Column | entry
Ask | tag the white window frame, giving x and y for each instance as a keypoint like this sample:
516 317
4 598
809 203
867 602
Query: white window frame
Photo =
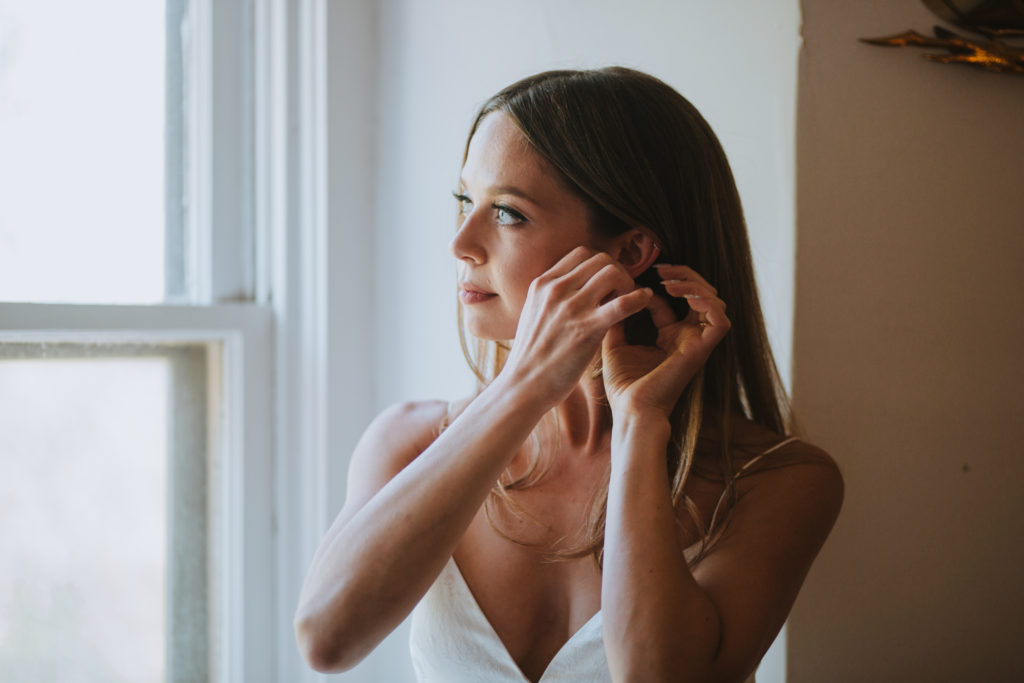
242 516
315 189
258 195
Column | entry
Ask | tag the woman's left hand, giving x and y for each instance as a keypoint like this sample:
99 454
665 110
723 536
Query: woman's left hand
641 379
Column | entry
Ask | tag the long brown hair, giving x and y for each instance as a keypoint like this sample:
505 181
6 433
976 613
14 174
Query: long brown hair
640 155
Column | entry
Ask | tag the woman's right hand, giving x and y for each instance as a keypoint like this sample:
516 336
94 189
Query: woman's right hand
568 310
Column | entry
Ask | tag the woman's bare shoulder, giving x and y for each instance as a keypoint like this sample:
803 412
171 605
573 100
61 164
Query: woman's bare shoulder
803 465
782 516
759 448
405 429
793 469
398 435
392 440
781 466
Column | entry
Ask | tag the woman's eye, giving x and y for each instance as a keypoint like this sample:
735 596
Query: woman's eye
465 205
506 216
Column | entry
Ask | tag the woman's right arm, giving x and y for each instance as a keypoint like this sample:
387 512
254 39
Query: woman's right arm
407 510
404 513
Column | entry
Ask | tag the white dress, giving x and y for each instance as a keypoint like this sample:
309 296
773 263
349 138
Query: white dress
451 641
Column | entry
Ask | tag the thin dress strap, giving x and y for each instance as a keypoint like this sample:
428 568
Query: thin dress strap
771 450
739 472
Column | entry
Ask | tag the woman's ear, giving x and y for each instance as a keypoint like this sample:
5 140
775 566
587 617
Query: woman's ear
636 250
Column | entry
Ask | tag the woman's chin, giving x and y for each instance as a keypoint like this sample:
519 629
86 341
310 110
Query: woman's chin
480 330
488 336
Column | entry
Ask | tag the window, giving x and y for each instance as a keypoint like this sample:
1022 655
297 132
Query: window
219 314
82 173
136 358
105 477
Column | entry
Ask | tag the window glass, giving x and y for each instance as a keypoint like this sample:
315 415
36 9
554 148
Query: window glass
82 162
104 566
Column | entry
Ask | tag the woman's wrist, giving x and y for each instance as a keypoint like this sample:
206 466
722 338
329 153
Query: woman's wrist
637 430
520 395
637 417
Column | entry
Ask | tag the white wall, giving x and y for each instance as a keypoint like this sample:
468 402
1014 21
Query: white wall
438 61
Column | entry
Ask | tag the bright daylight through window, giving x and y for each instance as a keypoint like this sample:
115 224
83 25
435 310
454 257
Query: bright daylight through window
88 466
82 168
111 401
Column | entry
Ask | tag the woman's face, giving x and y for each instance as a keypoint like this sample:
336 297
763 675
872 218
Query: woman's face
517 220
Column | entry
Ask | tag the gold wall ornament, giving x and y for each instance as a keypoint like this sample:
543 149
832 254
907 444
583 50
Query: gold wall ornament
998 21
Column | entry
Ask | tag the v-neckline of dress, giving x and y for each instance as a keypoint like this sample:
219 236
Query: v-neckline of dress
588 627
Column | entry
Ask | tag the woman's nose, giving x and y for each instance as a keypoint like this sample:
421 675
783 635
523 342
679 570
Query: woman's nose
465 245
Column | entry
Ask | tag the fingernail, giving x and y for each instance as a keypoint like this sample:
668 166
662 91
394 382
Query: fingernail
692 296
672 282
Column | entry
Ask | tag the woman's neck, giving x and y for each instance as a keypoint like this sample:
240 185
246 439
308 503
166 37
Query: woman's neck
584 418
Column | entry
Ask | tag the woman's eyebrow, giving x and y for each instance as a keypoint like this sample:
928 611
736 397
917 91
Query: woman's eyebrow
512 190
503 189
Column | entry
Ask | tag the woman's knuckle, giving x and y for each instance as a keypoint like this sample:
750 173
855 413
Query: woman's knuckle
576 330
558 287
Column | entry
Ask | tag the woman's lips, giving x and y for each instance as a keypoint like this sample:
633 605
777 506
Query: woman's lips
471 295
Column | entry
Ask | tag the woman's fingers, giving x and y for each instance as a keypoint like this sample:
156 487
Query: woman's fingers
590 280
682 273
586 269
621 307
662 314
602 278
614 337
596 263
567 263
707 311
688 288
591 287
596 281
711 316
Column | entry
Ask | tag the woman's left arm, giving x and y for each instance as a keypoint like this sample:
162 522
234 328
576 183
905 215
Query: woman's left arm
662 621
658 622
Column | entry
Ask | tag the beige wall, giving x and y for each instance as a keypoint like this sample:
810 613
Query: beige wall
908 353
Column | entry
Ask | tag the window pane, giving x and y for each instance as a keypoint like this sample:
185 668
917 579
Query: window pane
82 96
104 567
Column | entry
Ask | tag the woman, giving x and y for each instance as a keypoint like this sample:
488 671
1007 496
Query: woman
619 501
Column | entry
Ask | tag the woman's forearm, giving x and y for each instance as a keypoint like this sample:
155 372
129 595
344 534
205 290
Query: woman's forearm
375 565
659 625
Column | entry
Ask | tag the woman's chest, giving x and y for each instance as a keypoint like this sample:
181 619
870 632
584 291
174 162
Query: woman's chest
534 603
535 600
